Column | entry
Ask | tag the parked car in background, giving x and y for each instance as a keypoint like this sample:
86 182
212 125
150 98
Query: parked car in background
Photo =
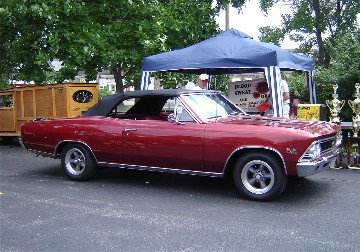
187 132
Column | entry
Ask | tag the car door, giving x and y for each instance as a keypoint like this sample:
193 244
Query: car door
108 142
155 143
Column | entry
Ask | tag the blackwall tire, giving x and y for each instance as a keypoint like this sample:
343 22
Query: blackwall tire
259 176
78 162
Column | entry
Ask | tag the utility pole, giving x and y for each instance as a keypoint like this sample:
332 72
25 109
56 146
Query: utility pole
227 16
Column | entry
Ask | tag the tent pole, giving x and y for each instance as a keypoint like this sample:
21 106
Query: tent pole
311 86
272 74
145 80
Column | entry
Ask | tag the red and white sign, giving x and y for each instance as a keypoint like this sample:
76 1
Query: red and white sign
248 95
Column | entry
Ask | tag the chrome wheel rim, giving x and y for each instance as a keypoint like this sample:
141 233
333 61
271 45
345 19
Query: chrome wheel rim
257 177
75 161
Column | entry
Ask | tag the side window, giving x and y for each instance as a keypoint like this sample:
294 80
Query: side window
125 105
122 107
169 106
185 117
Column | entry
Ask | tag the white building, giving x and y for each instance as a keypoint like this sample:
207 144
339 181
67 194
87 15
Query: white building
107 82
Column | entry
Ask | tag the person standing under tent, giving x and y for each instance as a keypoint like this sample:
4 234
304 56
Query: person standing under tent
286 98
294 101
202 82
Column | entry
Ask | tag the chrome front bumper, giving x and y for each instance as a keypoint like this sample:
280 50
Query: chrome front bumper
305 169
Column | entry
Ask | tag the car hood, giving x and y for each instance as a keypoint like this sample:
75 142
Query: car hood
316 128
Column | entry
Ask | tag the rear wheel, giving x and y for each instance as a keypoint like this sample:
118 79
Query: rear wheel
259 176
78 162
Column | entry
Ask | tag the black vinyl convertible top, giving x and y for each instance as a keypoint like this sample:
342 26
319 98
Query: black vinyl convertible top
108 103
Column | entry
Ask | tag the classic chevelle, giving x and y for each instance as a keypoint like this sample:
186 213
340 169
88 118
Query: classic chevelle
187 132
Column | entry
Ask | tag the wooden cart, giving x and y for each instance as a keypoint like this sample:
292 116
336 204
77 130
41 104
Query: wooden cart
20 105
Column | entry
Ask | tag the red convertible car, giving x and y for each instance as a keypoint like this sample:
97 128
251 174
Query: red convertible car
186 132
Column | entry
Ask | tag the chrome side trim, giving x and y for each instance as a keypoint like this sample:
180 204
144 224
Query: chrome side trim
255 147
55 155
36 152
44 154
160 169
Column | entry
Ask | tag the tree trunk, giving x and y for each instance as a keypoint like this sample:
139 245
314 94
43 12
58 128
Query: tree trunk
118 78
319 39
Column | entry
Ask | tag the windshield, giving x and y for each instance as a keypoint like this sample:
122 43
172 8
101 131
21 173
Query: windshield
211 106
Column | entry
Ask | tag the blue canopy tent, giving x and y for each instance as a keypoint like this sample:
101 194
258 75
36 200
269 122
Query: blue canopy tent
233 52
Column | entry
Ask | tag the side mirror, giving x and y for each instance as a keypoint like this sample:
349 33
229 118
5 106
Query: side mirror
171 118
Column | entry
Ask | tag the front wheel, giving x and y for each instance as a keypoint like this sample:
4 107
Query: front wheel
259 176
78 162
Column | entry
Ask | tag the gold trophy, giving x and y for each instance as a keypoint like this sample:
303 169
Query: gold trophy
355 106
335 105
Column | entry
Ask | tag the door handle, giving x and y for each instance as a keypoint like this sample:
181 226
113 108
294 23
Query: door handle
128 131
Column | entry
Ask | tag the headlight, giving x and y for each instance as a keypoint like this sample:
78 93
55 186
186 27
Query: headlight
314 150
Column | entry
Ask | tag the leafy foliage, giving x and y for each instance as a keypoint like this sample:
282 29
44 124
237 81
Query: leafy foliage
115 35
329 26
95 35
297 83
314 23
344 70
235 3
220 83
102 93
271 35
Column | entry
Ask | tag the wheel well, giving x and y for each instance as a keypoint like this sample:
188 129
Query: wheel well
230 165
60 147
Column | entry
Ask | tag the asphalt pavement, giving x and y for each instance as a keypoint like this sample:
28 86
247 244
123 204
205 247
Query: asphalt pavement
120 210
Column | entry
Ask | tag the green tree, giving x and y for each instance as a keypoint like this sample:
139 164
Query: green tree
271 35
96 35
22 47
331 27
314 23
344 70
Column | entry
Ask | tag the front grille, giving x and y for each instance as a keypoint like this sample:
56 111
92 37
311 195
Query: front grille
327 144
